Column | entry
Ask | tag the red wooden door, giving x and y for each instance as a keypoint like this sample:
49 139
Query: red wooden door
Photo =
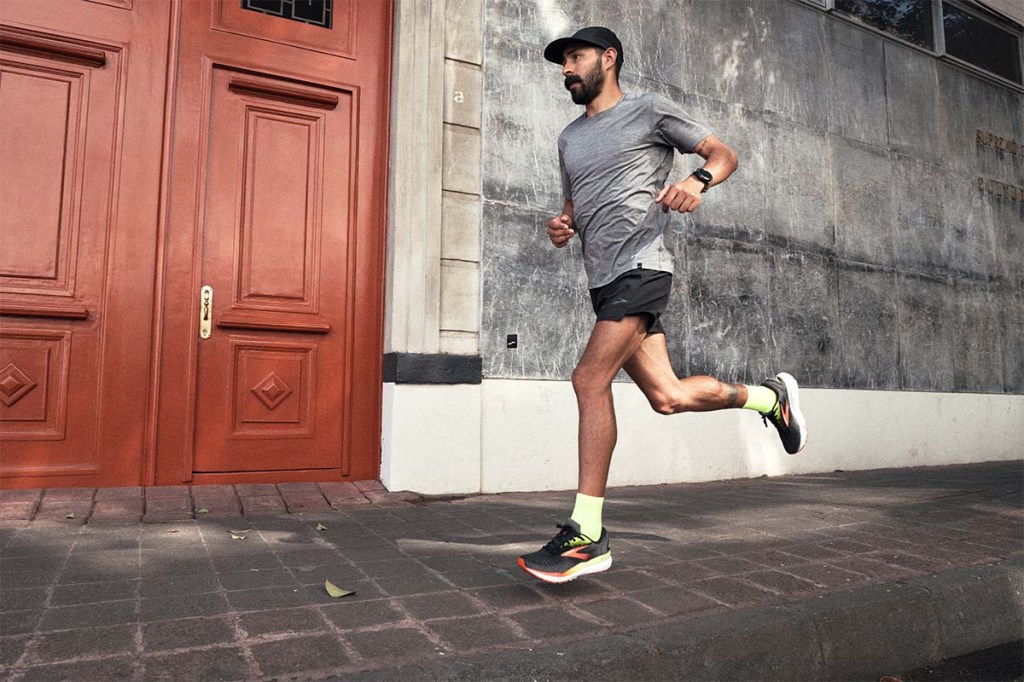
277 211
81 91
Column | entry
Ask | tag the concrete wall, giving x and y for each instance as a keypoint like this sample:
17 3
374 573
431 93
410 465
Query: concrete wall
852 248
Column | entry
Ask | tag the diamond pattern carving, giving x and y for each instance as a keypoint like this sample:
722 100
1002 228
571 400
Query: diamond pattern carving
272 390
14 385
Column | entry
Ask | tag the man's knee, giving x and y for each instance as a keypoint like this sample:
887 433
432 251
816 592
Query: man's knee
586 380
667 403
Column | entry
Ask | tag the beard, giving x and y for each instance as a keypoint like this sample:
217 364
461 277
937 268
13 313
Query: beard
591 84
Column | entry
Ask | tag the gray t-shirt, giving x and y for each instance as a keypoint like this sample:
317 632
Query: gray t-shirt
613 165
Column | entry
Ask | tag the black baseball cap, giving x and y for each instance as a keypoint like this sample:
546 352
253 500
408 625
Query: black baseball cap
599 36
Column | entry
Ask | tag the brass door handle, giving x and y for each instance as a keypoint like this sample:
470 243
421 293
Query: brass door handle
205 312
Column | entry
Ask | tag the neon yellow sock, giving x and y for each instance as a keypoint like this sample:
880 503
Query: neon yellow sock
587 513
762 399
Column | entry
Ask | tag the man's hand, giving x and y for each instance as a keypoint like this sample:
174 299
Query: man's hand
560 230
682 196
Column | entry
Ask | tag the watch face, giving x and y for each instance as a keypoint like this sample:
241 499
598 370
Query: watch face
703 175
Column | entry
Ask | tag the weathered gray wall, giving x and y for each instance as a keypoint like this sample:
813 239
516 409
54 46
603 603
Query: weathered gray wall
852 248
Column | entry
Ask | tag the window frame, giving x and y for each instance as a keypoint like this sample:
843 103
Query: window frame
939 30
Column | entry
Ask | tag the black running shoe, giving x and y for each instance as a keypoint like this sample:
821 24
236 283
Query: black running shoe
569 555
786 415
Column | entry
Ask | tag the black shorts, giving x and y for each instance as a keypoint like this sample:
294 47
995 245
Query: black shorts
637 292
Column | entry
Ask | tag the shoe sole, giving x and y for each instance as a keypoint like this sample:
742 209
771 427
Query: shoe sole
593 566
793 393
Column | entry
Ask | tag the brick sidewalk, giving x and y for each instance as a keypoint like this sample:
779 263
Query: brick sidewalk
436 582
180 503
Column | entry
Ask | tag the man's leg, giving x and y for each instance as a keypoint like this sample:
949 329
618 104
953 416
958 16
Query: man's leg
582 546
777 399
611 344
652 372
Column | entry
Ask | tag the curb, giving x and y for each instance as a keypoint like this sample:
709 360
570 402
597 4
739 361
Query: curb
860 634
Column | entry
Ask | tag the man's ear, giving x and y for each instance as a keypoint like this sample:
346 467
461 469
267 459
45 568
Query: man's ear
609 57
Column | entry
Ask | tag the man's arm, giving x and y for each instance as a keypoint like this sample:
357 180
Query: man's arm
684 196
560 228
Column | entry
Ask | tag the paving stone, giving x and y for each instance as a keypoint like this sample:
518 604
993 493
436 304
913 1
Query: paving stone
385 498
673 601
618 611
732 591
23 495
343 493
88 615
90 593
406 642
104 669
281 621
170 492
55 647
684 572
182 606
443 605
365 486
400 586
298 654
508 596
256 578
475 632
68 494
775 559
297 488
222 664
781 583
256 490
363 614
826 576
872 568
629 580
189 632
298 502
20 599
21 622
166 510
265 505
812 552
268 598
124 510
686 552
11 649
18 510
550 622
123 493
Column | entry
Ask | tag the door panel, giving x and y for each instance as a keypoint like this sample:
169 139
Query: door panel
79 181
274 252
278 206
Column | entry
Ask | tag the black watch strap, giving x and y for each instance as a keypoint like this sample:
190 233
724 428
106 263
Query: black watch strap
704 177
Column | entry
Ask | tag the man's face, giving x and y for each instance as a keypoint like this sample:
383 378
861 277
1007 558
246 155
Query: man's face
584 77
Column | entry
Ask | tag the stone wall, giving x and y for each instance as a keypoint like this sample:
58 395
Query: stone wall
853 247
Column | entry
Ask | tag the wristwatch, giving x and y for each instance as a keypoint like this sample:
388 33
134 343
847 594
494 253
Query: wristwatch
704 177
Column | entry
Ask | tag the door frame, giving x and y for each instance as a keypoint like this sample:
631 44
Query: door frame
175 334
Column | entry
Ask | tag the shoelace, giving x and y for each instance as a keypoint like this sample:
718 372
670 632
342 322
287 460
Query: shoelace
565 533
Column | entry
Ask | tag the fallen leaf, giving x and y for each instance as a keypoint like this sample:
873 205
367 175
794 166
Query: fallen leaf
336 591
237 537
173 530
321 526
69 515
241 532
204 510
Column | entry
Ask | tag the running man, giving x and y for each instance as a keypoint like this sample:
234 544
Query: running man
615 160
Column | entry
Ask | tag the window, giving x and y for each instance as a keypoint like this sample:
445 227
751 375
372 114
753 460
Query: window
910 20
316 12
977 41
962 29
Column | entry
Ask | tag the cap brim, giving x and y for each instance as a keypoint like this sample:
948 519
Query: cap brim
555 51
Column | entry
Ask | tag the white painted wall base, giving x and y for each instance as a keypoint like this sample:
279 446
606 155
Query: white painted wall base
430 440
517 435
529 435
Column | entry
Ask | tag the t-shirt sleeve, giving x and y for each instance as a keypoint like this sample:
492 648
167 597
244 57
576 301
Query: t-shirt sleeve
566 185
674 126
